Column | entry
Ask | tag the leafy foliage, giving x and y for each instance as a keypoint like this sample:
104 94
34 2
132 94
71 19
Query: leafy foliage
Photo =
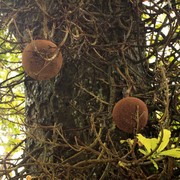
12 93
154 147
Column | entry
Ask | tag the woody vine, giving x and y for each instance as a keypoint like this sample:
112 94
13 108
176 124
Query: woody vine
110 50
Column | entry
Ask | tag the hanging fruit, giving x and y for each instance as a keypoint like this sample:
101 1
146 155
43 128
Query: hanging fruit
41 59
130 114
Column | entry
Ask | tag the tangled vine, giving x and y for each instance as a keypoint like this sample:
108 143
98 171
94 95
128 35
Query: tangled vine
110 49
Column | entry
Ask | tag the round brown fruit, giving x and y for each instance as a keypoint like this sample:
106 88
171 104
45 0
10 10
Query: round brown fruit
37 59
130 114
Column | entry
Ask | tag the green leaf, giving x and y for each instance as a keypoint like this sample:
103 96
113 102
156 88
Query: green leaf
144 142
154 163
122 164
171 152
122 141
154 142
165 139
149 144
143 152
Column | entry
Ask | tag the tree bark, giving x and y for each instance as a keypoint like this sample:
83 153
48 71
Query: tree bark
69 128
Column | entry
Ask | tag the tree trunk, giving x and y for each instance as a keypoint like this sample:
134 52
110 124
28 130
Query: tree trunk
69 128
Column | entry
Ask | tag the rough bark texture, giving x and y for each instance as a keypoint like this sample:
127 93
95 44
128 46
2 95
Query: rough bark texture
68 118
